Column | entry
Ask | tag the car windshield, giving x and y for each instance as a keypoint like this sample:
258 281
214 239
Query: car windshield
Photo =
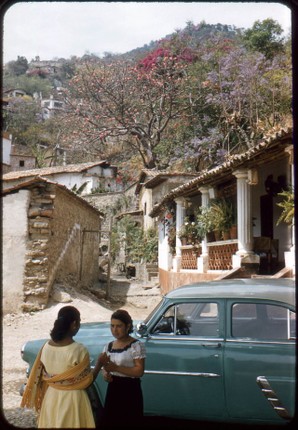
148 318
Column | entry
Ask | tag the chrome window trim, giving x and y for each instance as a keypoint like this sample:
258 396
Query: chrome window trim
178 337
174 373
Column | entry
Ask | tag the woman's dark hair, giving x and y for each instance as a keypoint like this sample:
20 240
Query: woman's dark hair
66 316
123 316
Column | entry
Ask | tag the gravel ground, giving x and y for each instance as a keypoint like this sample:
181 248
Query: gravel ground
137 299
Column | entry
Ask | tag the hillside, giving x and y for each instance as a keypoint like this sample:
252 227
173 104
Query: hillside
197 96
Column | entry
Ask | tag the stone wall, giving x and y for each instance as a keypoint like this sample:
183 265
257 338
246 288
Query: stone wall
111 203
63 243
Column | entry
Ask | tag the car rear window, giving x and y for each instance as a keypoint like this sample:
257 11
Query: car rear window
263 321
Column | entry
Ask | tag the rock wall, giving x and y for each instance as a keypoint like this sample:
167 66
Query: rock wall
62 245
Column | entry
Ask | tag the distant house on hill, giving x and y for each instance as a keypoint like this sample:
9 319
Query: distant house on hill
92 177
15 157
50 107
21 158
15 92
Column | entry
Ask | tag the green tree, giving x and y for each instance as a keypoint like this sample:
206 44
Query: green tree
265 37
32 84
18 67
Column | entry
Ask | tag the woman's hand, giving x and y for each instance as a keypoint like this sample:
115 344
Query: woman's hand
103 359
107 376
110 367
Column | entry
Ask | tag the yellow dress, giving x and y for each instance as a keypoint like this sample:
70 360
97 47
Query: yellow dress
64 409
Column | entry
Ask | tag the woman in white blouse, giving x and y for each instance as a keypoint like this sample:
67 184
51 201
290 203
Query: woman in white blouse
124 397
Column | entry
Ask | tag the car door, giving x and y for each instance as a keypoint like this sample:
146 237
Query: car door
184 363
260 361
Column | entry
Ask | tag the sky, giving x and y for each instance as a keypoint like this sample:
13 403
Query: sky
62 29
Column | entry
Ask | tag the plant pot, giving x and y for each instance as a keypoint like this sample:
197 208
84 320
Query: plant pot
217 235
226 235
210 236
233 232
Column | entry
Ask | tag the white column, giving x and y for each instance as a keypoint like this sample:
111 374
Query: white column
180 215
203 260
290 255
244 220
205 196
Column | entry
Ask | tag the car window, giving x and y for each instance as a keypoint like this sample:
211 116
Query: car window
263 321
190 319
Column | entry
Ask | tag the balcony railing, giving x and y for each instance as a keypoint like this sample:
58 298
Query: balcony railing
189 255
220 254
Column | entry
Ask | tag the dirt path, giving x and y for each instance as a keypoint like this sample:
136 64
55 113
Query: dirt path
18 328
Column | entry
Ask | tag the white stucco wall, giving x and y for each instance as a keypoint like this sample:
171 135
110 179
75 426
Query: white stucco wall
164 255
15 232
67 179
6 150
146 202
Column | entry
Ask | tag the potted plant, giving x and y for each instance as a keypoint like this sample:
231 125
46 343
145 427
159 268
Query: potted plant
287 205
233 229
182 234
172 238
188 232
205 222
222 211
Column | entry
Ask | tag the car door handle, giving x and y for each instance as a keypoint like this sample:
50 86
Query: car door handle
211 345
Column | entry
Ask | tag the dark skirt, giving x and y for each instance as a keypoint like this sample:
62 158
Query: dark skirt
123 402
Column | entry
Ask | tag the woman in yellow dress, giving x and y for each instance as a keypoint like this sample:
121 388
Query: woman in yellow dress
59 376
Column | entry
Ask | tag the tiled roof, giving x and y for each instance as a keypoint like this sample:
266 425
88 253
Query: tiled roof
263 149
37 179
22 150
47 171
162 176
151 178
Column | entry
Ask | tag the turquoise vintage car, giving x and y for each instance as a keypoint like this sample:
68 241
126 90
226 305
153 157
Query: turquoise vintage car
216 351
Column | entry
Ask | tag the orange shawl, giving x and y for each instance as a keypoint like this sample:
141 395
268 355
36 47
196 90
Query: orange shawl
77 378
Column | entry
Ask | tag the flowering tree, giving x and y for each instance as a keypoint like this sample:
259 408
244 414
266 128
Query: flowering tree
127 103
194 100
245 96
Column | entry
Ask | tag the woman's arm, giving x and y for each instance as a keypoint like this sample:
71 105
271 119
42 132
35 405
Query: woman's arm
136 371
101 361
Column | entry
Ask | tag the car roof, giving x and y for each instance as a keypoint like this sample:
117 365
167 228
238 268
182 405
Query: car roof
281 290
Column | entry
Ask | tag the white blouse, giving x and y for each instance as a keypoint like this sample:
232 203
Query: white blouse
125 356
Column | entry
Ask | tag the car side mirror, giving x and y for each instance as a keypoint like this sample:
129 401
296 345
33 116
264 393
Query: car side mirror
142 329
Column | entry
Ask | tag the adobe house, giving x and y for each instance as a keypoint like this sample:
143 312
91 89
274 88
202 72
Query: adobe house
21 158
96 176
50 234
250 180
